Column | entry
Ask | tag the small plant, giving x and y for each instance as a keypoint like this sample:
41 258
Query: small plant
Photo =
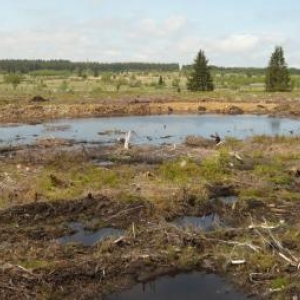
14 79
182 170
279 283
215 168
64 86
160 81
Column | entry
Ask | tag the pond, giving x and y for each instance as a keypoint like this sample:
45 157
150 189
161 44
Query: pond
189 286
149 129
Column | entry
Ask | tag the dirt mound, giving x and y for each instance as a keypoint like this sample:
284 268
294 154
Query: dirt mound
100 206
233 110
221 190
38 99
198 141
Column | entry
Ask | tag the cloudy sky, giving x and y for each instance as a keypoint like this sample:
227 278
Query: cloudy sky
231 32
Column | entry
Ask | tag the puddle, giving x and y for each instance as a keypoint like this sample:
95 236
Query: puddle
191 286
205 223
87 237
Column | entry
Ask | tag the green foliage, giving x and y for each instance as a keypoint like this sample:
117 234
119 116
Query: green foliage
14 79
135 83
279 283
106 77
64 86
274 172
77 180
214 168
176 82
33 264
119 82
160 80
26 66
180 171
96 72
277 74
50 73
200 79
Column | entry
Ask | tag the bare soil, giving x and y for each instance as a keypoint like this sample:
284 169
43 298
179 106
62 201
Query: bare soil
257 249
35 113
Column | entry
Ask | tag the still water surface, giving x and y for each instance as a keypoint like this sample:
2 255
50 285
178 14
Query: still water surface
192 286
149 129
87 237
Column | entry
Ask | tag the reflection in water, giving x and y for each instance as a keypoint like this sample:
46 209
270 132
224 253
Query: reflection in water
191 286
150 129
275 125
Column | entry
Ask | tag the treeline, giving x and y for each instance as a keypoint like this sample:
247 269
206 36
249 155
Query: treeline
240 70
26 66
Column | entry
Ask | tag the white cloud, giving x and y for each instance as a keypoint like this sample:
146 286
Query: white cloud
113 53
123 39
236 43
189 45
149 26
174 24
164 28
237 49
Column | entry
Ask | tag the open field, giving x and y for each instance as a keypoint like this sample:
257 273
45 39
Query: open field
64 87
64 95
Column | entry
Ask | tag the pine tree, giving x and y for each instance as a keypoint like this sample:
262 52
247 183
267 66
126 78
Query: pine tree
160 80
277 73
200 79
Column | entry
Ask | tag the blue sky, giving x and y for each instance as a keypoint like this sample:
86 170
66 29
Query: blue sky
231 32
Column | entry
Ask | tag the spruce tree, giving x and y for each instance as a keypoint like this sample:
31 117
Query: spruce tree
200 78
160 80
277 73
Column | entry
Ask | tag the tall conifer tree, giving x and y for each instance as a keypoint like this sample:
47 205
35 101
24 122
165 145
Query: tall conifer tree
200 78
277 73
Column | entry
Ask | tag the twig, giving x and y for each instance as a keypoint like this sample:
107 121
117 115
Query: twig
133 230
123 212
245 244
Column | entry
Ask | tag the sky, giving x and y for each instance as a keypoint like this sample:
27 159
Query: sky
230 32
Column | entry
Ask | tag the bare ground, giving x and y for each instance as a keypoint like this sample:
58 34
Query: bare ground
257 249
34 113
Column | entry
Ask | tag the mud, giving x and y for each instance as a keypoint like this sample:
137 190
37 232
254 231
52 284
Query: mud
255 229
37 112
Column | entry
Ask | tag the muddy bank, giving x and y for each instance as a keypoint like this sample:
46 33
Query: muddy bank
35 113
44 268
146 251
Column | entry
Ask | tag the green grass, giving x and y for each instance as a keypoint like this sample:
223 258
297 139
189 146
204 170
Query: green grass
274 171
279 283
78 180
62 86
33 264
182 170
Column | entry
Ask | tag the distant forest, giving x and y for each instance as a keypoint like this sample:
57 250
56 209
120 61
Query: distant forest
27 66
244 70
